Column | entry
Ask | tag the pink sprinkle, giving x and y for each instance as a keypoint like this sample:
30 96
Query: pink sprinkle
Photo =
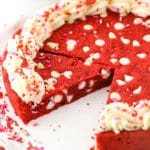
117 118
59 60
48 60
41 57
96 16
140 118
64 34
115 99
115 8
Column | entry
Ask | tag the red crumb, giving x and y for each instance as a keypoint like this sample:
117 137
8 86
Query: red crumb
1 59
1 94
31 147
92 148
2 148
35 124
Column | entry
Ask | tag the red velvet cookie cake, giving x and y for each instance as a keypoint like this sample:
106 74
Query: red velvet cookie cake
74 48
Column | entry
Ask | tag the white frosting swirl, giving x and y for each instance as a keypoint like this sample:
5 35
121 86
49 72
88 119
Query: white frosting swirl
73 10
122 6
24 48
120 116
29 86
141 8
143 114
41 26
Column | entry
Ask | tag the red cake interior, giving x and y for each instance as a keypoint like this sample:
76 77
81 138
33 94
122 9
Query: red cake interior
135 140
81 58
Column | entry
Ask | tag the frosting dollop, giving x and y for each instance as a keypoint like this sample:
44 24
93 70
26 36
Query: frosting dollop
141 8
120 116
22 49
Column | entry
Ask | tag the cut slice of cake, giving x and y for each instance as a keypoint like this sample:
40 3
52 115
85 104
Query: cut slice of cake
65 80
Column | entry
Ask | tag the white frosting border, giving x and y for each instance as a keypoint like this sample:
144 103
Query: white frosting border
121 116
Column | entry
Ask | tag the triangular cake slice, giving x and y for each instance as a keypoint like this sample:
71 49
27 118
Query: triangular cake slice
65 80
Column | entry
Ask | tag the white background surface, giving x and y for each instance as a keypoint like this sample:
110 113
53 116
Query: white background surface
68 128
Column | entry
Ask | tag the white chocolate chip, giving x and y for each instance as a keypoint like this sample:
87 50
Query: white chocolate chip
115 96
40 66
119 26
99 42
147 38
112 35
120 82
69 98
82 85
113 60
95 32
135 43
71 45
55 74
53 45
105 74
138 21
87 27
128 78
124 61
50 105
96 55
70 32
91 83
86 48
138 90
125 40
50 83
68 74
141 55
88 61
57 98
65 91
89 90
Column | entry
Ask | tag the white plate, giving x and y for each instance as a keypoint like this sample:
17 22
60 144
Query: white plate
71 127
